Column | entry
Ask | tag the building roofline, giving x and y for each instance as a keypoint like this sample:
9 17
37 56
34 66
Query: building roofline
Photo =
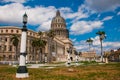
15 27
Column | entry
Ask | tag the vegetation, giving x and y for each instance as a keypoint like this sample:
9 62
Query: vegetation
89 41
102 37
38 44
15 42
50 35
109 71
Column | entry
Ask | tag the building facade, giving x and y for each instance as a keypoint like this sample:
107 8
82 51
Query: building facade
55 49
114 55
88 56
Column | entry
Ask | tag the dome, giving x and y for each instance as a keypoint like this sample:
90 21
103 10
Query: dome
58 25
58 18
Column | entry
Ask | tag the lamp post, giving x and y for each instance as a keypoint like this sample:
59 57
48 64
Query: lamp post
22 71
69 50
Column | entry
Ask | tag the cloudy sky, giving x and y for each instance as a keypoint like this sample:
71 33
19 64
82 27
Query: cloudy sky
83 18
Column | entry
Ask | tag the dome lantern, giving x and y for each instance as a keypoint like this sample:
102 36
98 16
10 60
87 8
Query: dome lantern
58 13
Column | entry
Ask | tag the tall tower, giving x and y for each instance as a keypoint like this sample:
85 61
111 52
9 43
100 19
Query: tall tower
58 25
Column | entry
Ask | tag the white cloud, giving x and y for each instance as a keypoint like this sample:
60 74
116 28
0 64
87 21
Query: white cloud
67 13
118 13
82 27
12 14
73 40
65 9
107 18
107 45
16 1
39 15
44 26
102 5
75 15
112 44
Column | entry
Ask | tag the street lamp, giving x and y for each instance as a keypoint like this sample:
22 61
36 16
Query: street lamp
22 71
69 51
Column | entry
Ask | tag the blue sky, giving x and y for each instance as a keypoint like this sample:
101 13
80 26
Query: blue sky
83 18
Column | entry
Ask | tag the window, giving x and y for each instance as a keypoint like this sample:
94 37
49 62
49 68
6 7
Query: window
10 48
11 31
0 39
6 30
1 31
4 56
10 39
10 56
6 39
30 33
17 31
4 48
0 48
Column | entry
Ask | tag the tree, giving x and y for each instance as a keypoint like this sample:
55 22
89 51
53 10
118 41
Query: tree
101 37
89 41
34 45
51 36
41 43
38 44
15 42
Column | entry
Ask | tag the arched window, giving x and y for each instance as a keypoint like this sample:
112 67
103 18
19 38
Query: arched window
17 31
11 31
6 39
10 48
6 31
1 31
10 56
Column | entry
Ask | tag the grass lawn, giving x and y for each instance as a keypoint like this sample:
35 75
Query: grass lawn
109 71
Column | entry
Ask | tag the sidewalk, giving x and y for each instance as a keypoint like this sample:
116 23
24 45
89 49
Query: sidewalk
51 65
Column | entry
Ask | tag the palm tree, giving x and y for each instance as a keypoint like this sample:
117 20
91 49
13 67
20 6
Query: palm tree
89 41
40 34
51 36
15 42
41 44
34 45
38 44
101 37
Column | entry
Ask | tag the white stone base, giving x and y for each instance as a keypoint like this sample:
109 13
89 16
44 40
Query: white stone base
22 75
